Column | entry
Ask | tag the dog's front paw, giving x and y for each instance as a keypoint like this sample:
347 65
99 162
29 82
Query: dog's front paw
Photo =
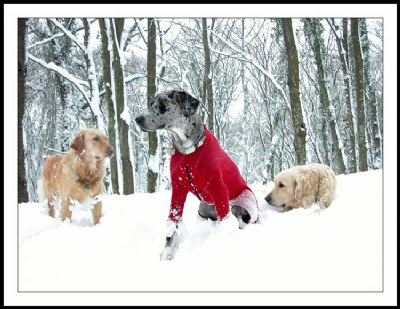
171 244
171 241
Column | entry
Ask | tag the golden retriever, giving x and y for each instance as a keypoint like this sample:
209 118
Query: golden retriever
77 175
303 185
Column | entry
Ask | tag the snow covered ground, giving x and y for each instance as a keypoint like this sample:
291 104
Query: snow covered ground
338 249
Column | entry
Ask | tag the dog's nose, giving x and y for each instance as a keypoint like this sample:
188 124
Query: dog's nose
268 198
139 120
110 152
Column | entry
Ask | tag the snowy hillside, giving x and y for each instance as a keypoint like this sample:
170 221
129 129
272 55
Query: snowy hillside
337 249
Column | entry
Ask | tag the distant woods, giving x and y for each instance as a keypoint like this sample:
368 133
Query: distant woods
275 92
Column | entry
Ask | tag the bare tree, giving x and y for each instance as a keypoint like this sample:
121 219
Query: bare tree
106 36
359 73
207 82
370 100
117 26
313 30
293 82
151 92
60 48
23 196
93 96
349 128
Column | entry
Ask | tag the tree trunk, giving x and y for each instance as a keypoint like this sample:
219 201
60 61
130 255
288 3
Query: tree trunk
317 44
300 130
123 126
346 39
92 76
244 138
350 141
359 73
278 123
105 40
370 100
151 92
61 48
23 196
207 84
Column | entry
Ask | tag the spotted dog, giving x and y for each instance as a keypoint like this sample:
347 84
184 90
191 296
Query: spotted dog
199 164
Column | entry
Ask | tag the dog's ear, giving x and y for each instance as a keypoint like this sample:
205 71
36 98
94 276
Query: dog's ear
178 96
191 106
78 143
188 103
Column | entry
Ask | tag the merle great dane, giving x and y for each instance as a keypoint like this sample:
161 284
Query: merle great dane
199 165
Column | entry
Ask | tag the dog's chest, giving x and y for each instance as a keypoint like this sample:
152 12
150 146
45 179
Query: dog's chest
188 174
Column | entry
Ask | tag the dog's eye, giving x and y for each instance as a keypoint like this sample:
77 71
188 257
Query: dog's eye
281 185
96 138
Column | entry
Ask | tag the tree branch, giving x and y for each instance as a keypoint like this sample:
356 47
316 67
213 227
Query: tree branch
256 64
64 73
46 40
68 33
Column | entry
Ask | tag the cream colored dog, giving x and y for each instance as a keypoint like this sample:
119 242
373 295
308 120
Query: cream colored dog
303 185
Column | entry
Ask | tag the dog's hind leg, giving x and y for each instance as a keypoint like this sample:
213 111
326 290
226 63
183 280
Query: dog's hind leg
241 215
245 208
207 211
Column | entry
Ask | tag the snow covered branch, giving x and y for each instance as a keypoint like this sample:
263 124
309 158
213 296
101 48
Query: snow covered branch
35 87
68 33
255 63
58 35
64 73
133 77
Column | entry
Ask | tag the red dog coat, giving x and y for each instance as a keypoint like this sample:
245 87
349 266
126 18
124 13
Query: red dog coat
211 175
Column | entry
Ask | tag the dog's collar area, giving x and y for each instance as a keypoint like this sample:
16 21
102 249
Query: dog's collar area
198 143
86 181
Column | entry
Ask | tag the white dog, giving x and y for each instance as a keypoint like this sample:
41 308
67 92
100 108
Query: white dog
303 185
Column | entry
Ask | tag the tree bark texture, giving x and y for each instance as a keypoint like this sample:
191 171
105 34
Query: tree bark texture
123 126
359 73
151 92
105 37
350 140
318 45
370 99
207 84
300 130
23 196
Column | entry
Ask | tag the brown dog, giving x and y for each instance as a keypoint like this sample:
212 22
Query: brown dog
78 175
303 185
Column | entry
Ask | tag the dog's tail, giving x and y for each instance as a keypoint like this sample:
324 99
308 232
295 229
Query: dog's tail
40 190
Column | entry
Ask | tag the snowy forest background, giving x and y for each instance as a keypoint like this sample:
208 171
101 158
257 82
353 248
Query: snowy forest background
275 92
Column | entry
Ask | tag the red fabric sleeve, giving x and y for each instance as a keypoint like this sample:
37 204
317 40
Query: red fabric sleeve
220 195
177 203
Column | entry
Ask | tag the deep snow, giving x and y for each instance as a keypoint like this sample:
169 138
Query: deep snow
335 249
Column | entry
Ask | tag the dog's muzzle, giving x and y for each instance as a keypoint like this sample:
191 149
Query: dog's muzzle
140 122
110 152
